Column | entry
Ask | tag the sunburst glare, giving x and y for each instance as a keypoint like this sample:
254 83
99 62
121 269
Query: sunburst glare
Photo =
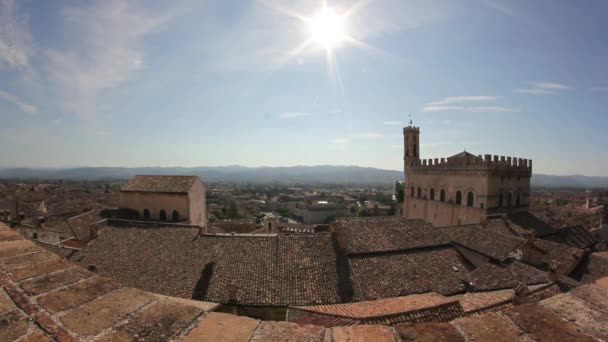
327 28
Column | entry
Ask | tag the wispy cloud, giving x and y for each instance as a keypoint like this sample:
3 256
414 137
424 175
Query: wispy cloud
533 91
15 39
599 88
433 108
393 123
549 85
104 52
541 88
24 107
460 99
492 109
460 103
291 115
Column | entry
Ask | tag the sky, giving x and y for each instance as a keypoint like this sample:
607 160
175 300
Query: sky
226 82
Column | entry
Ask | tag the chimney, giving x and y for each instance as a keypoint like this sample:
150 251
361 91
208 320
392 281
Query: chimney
519 294
233 293
553 274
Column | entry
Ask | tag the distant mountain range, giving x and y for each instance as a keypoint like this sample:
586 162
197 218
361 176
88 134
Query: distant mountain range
285 175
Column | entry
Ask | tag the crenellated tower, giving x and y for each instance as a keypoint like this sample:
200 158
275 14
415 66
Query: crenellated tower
463 188
411 144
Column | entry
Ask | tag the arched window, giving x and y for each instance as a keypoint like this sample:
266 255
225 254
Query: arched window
419 195
442 195
500 199
509 199
412 192
432 195
458 197
162 215
146 213
518 200
175 215
470 199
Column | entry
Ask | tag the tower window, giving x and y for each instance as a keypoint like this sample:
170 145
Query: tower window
470 199
419 195
509 199
146 213
412 192
442 195
518 200
458 197
163 215
432 194
500 199
175 215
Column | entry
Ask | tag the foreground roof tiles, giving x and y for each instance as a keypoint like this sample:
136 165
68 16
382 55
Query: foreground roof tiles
96 308
429 307
297 269
173 184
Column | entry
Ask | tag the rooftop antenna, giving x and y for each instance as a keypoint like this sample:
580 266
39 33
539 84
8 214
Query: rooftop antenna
410 119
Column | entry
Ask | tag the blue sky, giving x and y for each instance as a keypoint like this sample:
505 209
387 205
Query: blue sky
190 83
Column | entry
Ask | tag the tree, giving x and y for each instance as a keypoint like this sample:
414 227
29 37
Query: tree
233 211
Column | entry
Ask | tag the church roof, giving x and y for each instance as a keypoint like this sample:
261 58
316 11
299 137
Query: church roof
171 184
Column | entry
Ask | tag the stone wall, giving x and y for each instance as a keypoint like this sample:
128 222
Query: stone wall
197 204
155 202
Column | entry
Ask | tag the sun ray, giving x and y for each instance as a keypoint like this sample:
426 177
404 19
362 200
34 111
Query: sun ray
367 47
284 10
355 7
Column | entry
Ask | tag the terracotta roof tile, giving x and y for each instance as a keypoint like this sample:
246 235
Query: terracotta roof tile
296 269
491 276
401 273
173 184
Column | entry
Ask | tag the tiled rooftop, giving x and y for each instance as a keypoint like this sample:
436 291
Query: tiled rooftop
297 269
438 270
173 184
381 307
491 276
396 234
530 222
40 302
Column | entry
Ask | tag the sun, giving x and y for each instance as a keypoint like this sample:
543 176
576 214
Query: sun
327 29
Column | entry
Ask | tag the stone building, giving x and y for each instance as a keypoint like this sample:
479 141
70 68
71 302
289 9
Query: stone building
166 198
463 188
320 212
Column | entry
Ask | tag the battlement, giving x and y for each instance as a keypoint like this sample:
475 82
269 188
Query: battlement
411 128
470 163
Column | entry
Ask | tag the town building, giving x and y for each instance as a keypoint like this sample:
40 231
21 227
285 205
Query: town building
166 198
463 188
320 212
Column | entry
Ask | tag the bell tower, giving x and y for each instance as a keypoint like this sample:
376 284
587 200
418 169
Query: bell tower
411 143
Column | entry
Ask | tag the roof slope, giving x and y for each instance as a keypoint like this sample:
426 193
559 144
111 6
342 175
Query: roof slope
171 184
576 236
396 274
383 235
530 222
286 269
490 277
